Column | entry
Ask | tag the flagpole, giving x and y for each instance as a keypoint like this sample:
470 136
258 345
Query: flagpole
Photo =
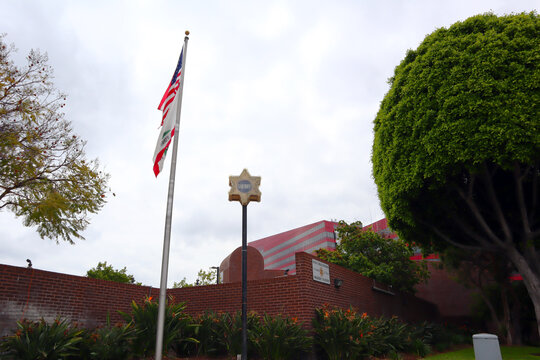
168 216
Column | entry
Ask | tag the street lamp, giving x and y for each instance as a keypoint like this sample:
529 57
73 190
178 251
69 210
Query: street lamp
217 273
244 188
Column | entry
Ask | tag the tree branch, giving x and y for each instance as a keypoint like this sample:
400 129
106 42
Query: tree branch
535 170
476 212
496 205
25 182
7 203
472 234
528 234
521 200
448 239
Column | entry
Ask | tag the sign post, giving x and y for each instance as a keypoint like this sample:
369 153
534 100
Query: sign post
244 188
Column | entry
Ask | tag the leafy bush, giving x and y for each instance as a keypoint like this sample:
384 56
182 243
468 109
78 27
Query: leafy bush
41 340
271 338
388 336
419 347
280 338
340 333
144 319
345 334
444 336
230 329
187 344
221 333
209 334
111 342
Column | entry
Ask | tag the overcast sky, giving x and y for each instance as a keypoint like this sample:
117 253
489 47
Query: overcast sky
286 89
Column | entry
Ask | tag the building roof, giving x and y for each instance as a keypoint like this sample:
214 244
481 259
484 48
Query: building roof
278 250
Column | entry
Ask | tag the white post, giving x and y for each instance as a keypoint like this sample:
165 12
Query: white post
486 347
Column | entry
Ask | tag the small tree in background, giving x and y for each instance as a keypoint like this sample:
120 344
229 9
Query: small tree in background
385 260
203 278
44 175
107 272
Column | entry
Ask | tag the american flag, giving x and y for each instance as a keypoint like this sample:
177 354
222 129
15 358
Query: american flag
172 89
168 105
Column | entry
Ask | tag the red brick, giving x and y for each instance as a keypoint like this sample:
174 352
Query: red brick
88 300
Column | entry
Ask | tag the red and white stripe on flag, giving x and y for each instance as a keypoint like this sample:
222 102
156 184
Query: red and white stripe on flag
168 105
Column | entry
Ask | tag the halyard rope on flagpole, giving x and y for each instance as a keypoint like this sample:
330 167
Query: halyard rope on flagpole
168 216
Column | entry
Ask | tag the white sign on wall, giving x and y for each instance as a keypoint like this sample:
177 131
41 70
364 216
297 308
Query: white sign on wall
321 271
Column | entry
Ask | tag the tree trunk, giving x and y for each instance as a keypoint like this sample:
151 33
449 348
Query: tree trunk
517 335
507 323
531 280
494 317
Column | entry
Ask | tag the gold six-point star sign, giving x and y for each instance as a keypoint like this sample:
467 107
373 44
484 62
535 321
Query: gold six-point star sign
244 188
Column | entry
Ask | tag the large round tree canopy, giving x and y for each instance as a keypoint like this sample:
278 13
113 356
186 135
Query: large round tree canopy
465 102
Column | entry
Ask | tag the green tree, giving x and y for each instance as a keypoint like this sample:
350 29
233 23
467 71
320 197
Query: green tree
107 272
383 259
203 278
456 152
44 176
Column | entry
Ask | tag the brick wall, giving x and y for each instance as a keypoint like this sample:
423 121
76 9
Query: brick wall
32 294
453 299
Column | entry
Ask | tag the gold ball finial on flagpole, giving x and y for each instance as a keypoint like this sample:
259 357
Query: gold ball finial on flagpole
187 32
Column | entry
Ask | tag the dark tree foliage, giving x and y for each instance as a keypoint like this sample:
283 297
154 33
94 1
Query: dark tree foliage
490 274
456 153
44 176
382 259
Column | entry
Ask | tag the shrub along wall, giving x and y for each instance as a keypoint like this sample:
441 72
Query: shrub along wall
32 294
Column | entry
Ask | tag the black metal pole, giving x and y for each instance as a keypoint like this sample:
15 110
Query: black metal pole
244 282
217 273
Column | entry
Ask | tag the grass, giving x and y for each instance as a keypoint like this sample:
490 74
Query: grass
507 352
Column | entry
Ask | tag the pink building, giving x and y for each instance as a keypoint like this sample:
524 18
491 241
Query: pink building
278 250
271 256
